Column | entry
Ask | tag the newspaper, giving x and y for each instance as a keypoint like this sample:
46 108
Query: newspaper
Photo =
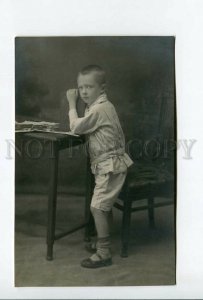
40 126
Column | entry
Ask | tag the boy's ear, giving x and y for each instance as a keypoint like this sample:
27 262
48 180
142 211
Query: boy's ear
103 88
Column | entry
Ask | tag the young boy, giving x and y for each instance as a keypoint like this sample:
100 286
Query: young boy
108 159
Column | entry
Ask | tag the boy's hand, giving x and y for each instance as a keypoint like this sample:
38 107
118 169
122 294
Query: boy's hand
72 96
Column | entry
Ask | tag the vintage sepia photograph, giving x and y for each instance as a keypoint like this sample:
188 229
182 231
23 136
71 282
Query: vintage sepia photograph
95 161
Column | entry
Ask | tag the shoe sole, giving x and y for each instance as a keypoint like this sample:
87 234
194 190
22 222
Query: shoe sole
94 265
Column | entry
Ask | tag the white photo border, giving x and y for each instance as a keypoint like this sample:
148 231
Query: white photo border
180 18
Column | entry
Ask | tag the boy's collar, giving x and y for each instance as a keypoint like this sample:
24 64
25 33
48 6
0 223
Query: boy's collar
102 98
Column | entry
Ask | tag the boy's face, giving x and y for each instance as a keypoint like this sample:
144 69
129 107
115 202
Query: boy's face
89 88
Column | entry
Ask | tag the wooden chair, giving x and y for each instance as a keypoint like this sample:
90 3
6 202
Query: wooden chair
146 180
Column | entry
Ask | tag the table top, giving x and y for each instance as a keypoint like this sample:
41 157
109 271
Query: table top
55 136
62 140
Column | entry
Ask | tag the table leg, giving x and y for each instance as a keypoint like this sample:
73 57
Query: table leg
90 227
52 201
151 211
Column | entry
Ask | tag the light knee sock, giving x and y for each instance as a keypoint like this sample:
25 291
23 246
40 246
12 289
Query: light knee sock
103 249
101 219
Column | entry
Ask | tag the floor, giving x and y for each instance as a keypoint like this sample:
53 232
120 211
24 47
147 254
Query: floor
151 258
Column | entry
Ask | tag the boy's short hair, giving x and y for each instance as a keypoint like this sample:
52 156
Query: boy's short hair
100 73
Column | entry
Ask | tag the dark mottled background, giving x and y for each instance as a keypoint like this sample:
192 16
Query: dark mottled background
140 74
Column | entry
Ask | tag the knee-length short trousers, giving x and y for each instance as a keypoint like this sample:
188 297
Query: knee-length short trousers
107 189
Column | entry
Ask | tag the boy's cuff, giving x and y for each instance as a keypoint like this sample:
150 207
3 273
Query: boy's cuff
72 110
73 114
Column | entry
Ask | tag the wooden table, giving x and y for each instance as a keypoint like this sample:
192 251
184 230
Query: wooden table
58 143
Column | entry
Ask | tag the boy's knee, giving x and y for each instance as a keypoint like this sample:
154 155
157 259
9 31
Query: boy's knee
97 211
94 210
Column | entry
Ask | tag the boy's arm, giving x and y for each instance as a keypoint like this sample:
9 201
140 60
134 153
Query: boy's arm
78 125
83 125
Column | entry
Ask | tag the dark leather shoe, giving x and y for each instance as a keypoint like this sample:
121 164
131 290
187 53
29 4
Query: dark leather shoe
92 264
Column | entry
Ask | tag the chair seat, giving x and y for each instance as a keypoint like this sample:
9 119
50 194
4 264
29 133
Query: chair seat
143 181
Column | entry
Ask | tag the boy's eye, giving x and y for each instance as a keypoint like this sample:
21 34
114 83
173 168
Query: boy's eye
86 87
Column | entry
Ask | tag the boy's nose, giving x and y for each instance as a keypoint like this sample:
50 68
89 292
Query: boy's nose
84 91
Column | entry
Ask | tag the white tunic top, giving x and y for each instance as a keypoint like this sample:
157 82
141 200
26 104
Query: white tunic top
104 136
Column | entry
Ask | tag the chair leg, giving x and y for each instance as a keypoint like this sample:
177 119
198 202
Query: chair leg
151 212
125 232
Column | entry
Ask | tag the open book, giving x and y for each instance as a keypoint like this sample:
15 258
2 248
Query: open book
40 126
